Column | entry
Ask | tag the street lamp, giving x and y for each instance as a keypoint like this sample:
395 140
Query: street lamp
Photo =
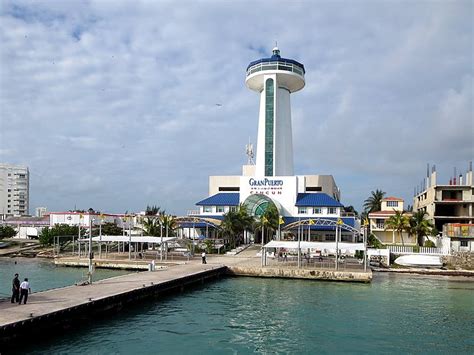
90 250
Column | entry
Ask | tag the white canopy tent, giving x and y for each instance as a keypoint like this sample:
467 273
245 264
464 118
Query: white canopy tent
332 247
133 239
124 239
314 245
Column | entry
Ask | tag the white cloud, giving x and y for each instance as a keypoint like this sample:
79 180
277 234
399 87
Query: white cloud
122 94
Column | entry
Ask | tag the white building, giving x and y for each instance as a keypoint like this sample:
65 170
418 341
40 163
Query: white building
84 219
271 181
378 219
14 190
40 211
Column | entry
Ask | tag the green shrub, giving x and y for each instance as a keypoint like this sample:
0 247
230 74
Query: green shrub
7 232
429 244
374 242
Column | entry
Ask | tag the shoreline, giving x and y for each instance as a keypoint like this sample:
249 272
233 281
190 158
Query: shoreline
431 272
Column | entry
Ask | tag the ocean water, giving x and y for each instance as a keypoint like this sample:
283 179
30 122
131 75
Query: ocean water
394 314
43 274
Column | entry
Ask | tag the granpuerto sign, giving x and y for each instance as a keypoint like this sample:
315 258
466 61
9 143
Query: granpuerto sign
265 182
266 186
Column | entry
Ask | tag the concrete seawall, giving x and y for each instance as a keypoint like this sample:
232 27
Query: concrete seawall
71 306
294 273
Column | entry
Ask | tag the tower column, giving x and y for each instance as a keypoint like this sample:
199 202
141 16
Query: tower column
275 78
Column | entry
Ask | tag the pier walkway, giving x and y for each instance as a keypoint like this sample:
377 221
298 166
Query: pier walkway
54 307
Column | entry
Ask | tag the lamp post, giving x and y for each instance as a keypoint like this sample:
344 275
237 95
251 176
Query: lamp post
90 251
129 239
100 235
161 242
338 233
366 224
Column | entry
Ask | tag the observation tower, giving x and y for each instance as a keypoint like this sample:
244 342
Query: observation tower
275 78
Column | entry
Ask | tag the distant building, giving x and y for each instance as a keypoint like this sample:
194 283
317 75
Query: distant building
84 219
378 221
446 203
14 190
40 211
26 226
461 236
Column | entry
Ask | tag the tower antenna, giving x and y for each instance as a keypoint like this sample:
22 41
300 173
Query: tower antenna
250 153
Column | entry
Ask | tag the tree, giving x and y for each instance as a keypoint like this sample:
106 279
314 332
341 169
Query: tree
7 232
398 222
234 224
151 226
169 224
152 210
108 228
374 201
268 221
420 226
59 230
351 209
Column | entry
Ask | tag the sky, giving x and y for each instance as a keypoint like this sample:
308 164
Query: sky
112 104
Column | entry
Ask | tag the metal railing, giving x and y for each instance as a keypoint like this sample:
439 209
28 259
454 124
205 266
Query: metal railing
275 66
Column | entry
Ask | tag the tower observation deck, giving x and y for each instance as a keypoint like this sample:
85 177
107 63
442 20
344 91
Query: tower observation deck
275 78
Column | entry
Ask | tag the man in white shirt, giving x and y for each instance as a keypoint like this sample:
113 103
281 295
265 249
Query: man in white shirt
203 255
24 290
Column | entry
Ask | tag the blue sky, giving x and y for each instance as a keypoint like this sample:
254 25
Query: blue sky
112 104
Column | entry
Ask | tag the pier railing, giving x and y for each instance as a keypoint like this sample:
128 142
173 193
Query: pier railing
400 249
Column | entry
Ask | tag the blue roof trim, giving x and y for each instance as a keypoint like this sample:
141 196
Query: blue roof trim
316 200
221 199
275 58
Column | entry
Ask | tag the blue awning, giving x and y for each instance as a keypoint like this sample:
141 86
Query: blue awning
221 199
316 200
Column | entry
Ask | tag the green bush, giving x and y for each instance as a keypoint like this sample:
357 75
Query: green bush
7 232
429 244
374 242
63 230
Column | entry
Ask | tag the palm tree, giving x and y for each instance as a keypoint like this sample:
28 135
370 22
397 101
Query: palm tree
420 226
268 222
398 222
152 210
234 224
169 223
374 201
151 226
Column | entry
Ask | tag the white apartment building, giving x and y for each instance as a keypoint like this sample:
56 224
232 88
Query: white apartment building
14 190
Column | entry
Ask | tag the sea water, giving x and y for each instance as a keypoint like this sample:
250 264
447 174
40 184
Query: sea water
43 275
393 314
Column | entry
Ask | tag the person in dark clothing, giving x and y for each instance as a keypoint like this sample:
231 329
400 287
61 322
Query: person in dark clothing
15 289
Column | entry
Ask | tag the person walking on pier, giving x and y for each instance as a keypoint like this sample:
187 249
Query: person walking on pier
15 289
24 290
203 255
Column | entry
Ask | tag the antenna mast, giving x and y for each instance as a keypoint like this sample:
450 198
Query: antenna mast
250 153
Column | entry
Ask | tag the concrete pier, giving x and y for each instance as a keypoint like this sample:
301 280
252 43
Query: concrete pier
295 273
69 306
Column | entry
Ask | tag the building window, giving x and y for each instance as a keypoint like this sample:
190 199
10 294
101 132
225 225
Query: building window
330 237
464 243
301 210
233 208
332 210
219 209
269 113
392 203
207 209
316 210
